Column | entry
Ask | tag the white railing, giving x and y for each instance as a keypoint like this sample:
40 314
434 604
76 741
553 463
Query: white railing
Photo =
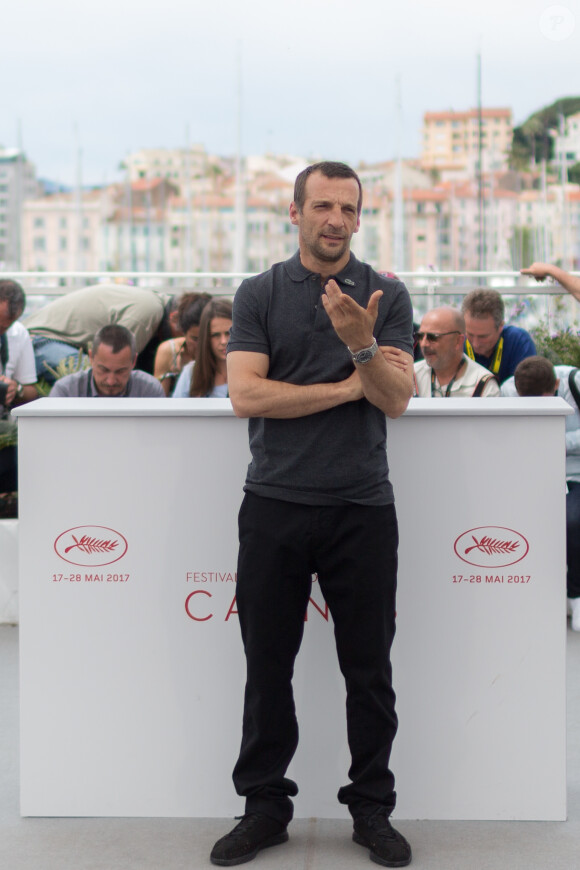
222 283
58 283
528 303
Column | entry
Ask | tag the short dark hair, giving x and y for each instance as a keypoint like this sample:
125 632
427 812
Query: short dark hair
330 169
189 309
12 292
116 337
535 376
484 303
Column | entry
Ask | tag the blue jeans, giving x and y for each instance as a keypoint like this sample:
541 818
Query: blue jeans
52 352
353 549
573 539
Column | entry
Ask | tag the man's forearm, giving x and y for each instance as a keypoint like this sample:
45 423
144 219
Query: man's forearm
539 271
387 386
262 397
571 283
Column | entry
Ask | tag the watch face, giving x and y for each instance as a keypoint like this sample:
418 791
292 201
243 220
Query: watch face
366 354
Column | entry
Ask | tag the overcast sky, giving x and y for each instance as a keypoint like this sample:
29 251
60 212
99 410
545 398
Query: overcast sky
318 76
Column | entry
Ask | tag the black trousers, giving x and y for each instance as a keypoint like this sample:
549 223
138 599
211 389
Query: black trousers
8 469
353 549
573 539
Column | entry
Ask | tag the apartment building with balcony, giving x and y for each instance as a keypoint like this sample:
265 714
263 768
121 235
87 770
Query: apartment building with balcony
202 236
440 228
61 232
191 170
450 140
567 142
133 236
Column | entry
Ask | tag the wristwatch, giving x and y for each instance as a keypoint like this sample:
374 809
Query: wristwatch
19 388
366 354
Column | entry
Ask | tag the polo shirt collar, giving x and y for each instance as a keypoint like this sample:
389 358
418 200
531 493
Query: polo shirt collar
297 272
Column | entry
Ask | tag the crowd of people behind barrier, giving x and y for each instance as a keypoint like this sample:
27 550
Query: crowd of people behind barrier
116 340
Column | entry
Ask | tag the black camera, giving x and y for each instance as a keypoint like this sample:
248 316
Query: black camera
3 392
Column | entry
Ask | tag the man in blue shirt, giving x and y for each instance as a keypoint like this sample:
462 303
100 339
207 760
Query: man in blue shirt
488 341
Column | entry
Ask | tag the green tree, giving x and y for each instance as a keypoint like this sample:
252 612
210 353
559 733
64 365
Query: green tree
574 173
532 140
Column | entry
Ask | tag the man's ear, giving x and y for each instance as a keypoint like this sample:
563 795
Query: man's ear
134 362
91 355
294 213
557 384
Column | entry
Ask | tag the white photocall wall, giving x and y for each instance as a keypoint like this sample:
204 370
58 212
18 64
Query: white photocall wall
132 668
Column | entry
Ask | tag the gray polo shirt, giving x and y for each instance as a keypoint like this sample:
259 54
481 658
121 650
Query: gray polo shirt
81 385
333 456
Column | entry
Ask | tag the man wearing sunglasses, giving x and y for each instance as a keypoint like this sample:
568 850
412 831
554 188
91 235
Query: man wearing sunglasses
446 371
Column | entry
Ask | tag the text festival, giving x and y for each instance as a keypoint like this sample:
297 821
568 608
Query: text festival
198 604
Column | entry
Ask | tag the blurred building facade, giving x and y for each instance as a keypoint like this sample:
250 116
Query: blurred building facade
17 184
182 210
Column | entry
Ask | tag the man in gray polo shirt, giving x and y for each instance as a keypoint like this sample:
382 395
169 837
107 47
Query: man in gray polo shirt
305 366
112 374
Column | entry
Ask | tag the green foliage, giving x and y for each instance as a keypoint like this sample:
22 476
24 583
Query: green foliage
522 150
574 174
532 141
8 433
561 348
68 366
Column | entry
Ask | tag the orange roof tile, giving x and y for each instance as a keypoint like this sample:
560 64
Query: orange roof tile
464 116
434 195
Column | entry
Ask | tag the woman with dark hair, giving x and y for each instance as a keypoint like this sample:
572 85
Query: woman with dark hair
208 377
174 353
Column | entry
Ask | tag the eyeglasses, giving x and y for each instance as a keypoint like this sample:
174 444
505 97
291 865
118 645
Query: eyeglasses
435 336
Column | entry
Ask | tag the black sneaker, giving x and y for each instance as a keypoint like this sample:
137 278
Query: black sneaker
255 831
387 846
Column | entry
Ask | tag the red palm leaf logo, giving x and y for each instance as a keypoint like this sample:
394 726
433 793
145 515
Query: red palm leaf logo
491 547
91 546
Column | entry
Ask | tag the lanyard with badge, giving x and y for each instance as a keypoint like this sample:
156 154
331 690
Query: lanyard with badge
496 361
449 385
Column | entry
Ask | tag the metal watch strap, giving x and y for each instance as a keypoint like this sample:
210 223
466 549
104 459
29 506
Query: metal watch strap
366 354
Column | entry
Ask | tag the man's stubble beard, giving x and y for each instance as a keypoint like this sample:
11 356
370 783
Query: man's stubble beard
329 256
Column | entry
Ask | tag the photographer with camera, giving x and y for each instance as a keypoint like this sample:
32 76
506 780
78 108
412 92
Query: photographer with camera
17 376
